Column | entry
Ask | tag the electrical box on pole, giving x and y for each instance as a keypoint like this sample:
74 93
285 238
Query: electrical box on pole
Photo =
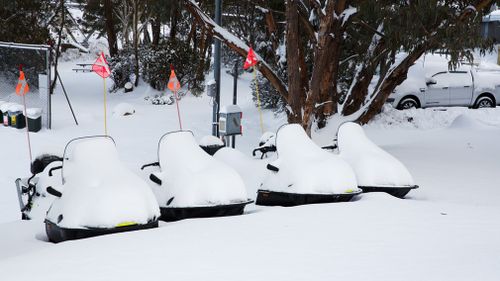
230 120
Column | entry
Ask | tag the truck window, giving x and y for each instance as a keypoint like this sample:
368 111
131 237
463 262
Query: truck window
443 80
460 79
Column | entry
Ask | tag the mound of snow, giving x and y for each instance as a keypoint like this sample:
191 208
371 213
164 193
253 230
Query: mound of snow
251 170
306 168
373 166
463 121
123 109
98 191
190 177
428 118
210 140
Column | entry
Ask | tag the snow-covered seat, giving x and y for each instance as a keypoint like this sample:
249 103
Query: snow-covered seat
192 183
376 170
98 195
304 173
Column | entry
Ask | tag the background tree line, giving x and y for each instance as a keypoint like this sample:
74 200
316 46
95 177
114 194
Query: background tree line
319 57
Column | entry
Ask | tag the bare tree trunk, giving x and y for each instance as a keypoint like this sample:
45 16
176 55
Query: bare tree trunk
174 18
110 28
295 91
156 29
394 77
327 53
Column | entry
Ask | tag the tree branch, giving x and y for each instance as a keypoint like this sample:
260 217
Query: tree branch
236 45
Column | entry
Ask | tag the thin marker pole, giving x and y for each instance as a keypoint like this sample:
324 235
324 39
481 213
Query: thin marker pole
27 129
178 110
105 111
258 99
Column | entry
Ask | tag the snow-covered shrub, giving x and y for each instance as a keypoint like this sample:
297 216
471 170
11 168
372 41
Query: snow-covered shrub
156 61
269 97
122 68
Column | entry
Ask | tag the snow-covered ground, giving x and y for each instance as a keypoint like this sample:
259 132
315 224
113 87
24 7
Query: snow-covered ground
448 229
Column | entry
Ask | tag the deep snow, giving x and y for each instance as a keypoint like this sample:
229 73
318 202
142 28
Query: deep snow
448 229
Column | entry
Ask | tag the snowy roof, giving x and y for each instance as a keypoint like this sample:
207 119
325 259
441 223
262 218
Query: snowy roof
230 109
493 16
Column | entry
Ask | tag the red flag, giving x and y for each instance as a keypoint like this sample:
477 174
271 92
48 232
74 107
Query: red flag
101 66
173 83
22 86
251 59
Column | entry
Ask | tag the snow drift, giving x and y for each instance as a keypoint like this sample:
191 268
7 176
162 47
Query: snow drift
372 165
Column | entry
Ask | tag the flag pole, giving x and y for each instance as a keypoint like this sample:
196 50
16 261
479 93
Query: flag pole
27 129
22 89
258 98
105 111
178 110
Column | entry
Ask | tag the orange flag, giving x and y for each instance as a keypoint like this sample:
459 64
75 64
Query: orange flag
22 86
173 83
251 59
101 66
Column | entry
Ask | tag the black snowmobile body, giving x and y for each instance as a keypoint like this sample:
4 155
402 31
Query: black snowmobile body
285 199
58 234
396 191
169 214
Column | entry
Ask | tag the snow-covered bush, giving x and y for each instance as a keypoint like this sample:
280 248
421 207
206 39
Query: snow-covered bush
156 61
122 68
270 98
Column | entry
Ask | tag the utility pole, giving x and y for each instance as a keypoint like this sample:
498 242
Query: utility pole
235 94
215 113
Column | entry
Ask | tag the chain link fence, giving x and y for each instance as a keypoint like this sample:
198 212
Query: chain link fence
35 61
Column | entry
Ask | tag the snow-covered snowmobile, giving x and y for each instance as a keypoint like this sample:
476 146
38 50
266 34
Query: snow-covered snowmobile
211 144
98 194
33 198
304 173
193 184
376 170
267 144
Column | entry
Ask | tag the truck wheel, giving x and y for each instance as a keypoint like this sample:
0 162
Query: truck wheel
407 103
484 102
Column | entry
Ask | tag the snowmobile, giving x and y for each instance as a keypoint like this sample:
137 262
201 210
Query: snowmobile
193 184
376 170
211 144
267 144
98 195
32 195
305 173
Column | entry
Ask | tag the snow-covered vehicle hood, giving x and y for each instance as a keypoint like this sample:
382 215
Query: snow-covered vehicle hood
98 190
305 168
192 178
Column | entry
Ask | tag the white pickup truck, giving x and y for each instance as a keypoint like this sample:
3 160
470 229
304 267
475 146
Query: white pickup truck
469 87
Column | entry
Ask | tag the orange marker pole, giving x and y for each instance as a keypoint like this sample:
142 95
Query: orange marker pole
105 108
178 110
22 89
27 129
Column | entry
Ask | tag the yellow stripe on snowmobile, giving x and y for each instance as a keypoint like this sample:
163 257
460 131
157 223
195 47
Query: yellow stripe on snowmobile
126 223
349 191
